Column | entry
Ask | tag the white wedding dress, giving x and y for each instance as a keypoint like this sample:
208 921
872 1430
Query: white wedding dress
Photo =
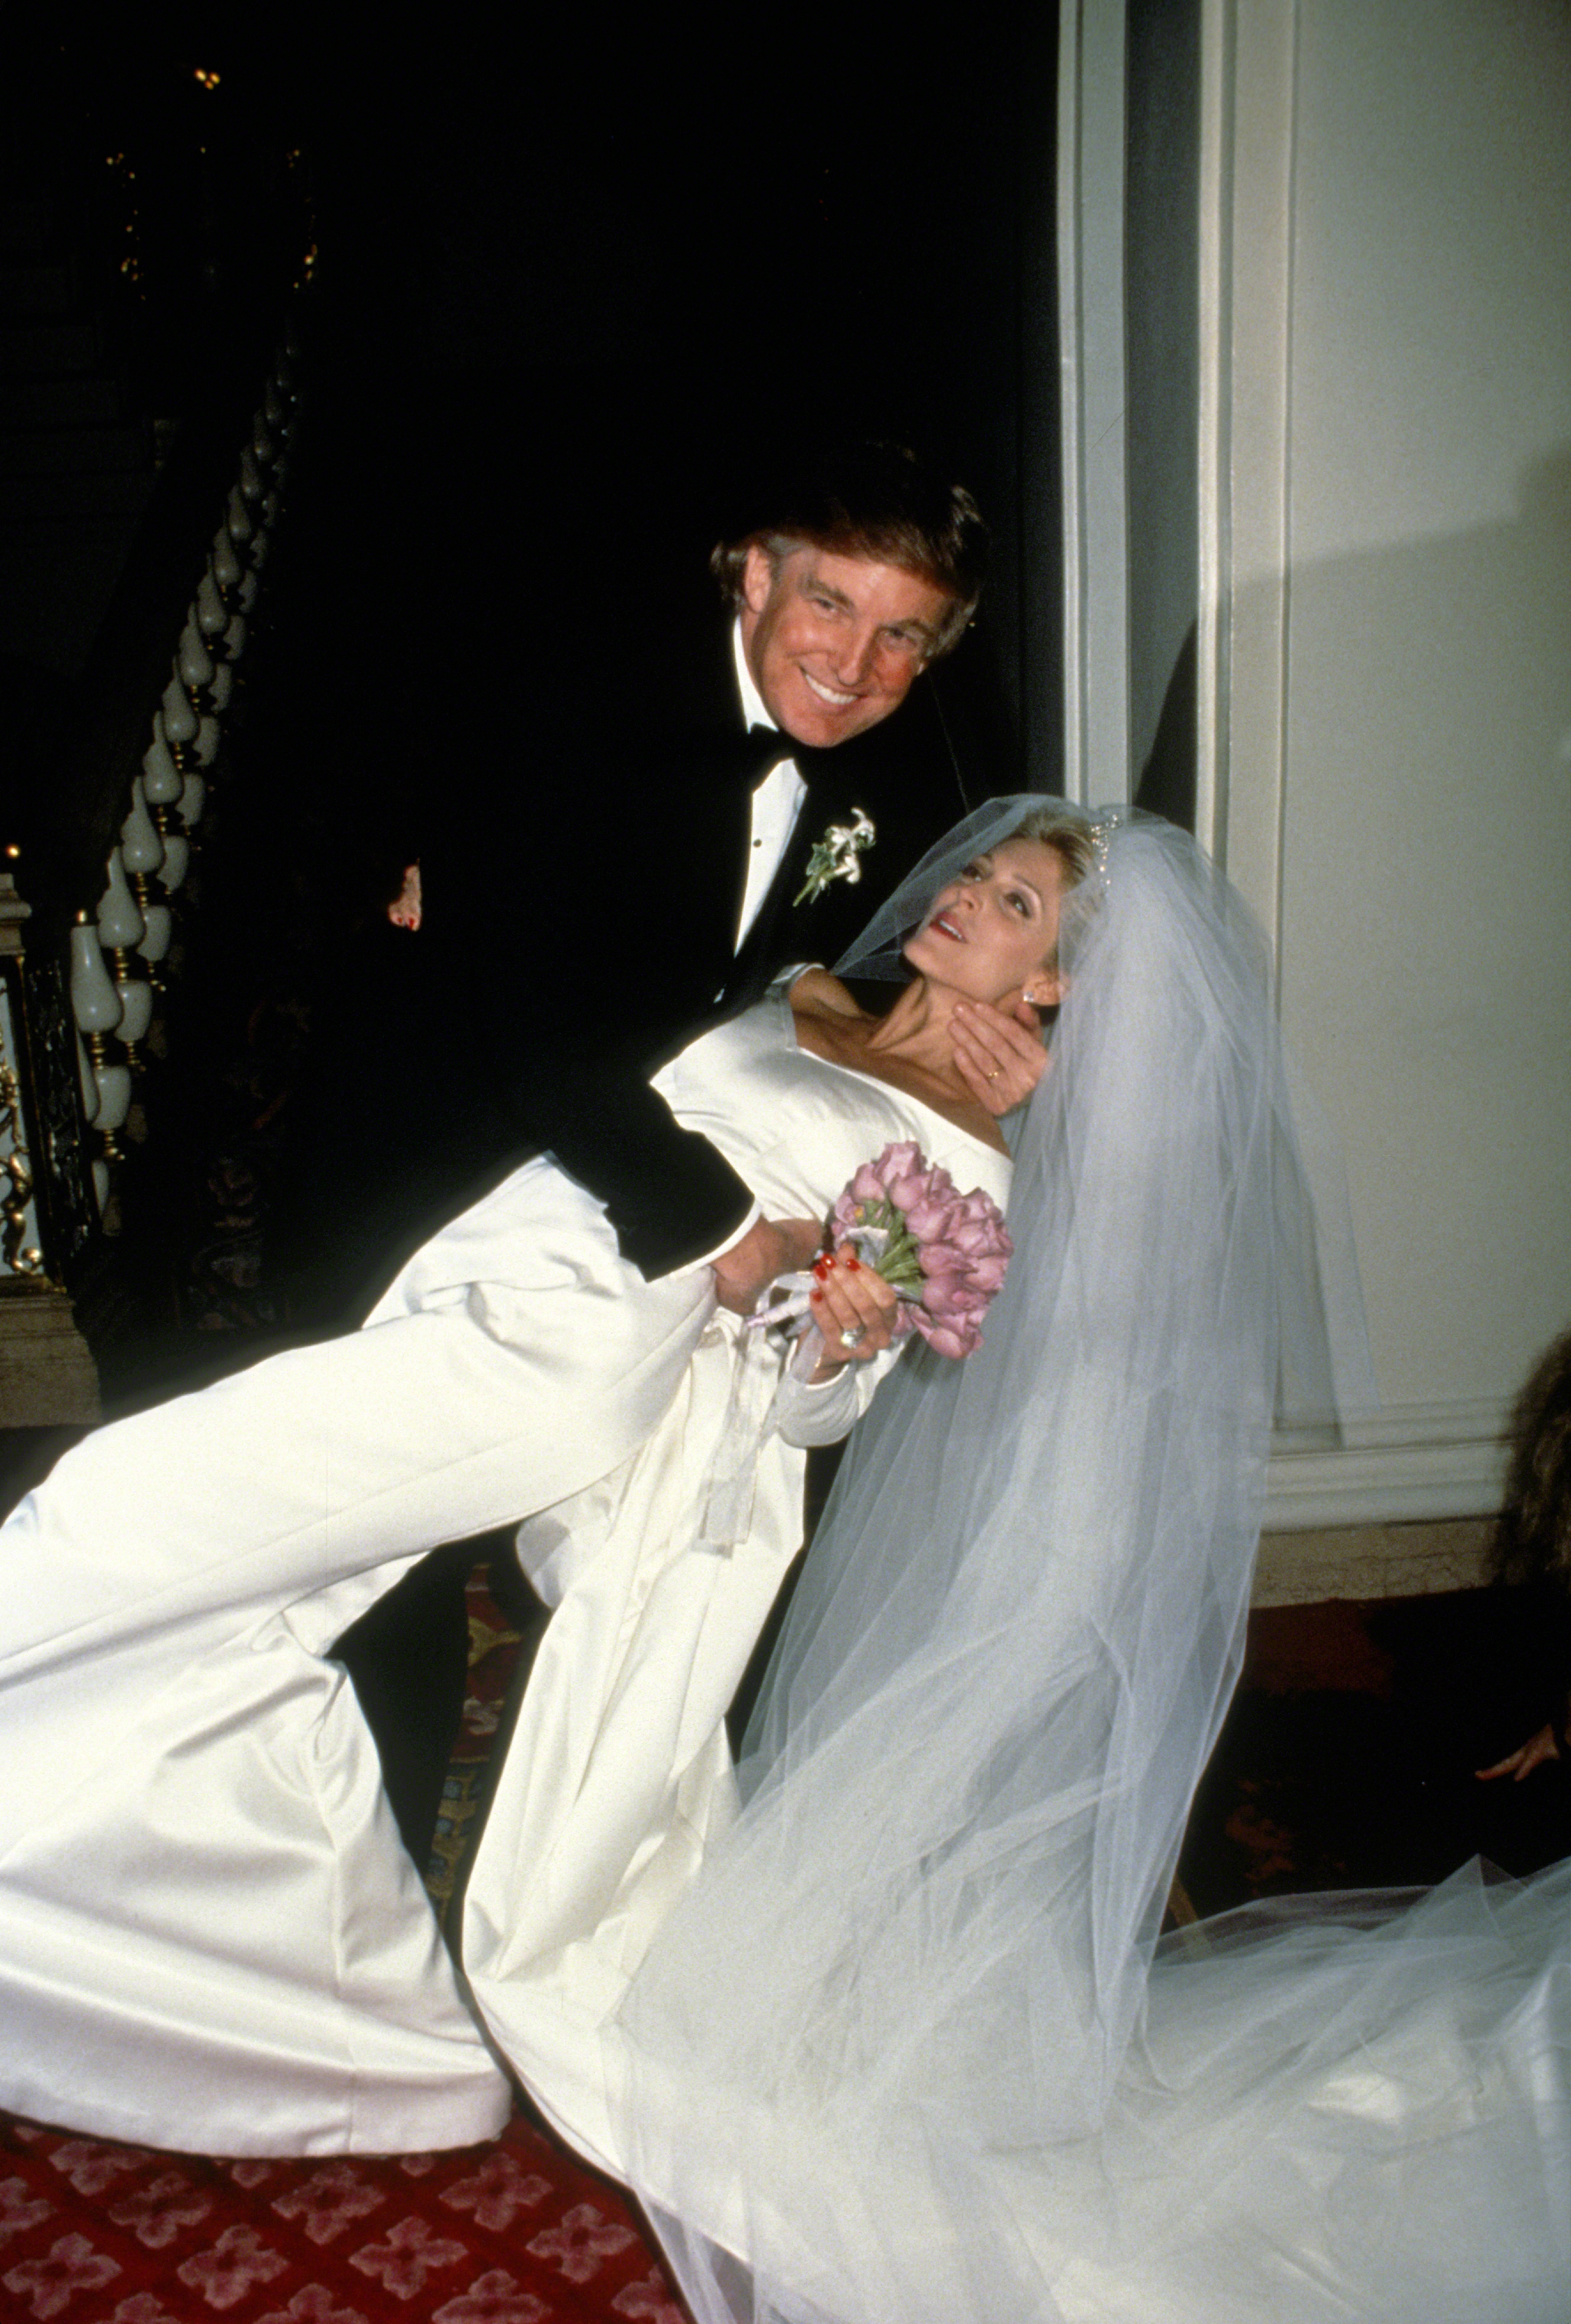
896 2043
210 1936
955 2079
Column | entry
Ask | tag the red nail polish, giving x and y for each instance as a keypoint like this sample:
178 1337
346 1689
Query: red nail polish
821 1268
854 1264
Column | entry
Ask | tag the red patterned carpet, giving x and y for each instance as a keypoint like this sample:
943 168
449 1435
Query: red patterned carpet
512 2233
518 2232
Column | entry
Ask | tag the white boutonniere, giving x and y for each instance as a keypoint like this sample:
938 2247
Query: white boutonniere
837 853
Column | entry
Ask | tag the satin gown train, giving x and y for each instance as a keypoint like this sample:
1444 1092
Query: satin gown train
210 1936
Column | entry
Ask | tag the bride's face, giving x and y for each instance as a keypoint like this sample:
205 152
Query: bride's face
992 933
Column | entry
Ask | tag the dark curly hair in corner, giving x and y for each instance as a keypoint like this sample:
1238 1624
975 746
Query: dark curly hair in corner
1531 1541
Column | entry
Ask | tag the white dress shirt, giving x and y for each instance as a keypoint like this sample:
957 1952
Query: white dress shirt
777 801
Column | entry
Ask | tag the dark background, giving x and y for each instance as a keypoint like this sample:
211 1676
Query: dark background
575 287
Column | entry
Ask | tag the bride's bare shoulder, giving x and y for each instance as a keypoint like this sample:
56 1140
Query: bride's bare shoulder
817 993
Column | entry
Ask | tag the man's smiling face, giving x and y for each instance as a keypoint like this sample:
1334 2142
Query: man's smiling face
834 643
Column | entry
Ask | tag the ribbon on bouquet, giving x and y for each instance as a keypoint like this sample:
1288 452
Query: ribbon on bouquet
733 1479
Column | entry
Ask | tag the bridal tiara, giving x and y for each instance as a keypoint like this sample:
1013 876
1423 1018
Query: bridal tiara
1101 827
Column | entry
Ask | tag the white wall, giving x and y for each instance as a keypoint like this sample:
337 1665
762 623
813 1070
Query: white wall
1388 542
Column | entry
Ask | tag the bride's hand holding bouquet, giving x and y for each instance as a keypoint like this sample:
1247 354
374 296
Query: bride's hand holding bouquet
907 1252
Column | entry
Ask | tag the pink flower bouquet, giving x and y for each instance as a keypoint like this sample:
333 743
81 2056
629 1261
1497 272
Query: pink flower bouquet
944 1252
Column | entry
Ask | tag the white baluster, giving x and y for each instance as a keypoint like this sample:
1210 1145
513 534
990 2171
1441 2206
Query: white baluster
161 778
121 929
96 1007
114 1104
141 847
177 862
226 565
142 851
162 786
193 662
180 720
178 715
120 923
211 610
94 1003
136 996
154 946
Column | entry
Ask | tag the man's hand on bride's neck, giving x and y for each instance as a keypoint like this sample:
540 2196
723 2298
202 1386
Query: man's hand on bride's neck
961 1057
999 1054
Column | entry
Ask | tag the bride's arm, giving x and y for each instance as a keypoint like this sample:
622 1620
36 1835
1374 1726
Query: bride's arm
850 1299
809 1412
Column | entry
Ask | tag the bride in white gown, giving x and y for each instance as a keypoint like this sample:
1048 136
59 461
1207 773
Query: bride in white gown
957 2079
209 1934
897 2045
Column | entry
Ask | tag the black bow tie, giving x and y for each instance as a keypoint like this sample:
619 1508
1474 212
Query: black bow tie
765 747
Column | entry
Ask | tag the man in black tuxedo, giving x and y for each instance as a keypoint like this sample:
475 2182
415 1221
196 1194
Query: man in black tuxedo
647 868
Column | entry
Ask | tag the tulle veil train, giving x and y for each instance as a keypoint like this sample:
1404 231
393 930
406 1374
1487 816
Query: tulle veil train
911 2051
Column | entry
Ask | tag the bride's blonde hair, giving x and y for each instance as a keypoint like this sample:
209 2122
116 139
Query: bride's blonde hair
1069 836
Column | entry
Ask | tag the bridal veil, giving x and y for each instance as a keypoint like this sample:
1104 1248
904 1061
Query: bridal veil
902 2056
